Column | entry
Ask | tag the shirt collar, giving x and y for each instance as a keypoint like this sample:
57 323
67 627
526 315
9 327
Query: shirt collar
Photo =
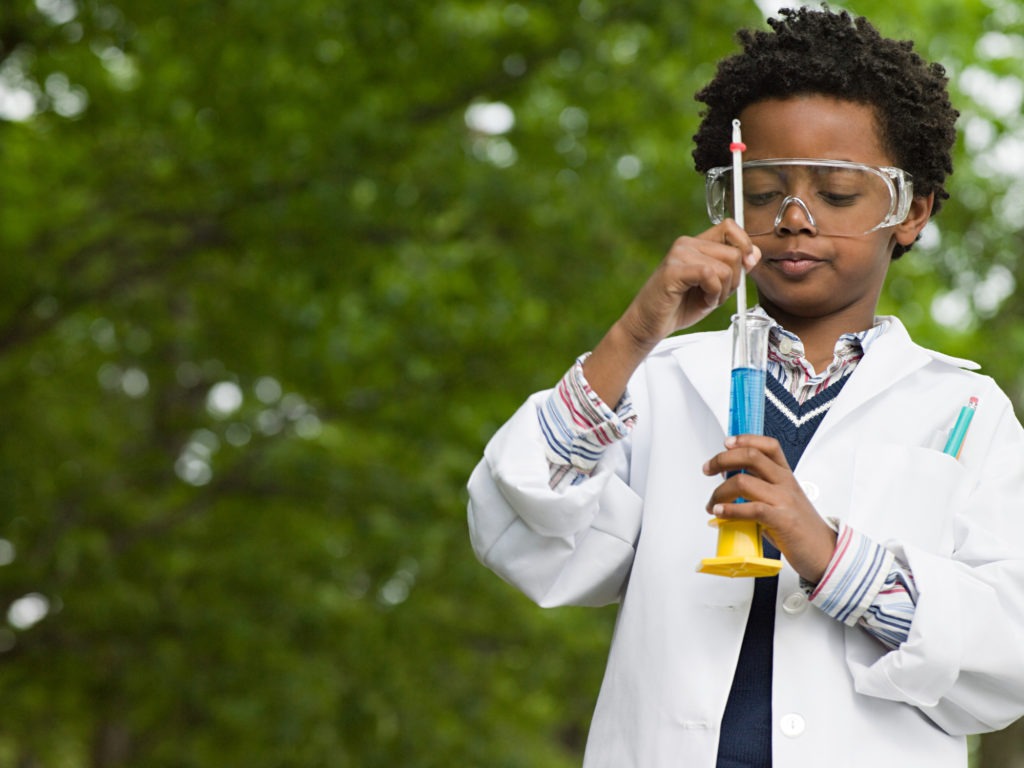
790 348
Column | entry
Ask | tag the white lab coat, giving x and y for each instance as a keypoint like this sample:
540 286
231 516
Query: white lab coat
635 531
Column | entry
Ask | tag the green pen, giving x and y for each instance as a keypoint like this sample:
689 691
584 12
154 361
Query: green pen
955 443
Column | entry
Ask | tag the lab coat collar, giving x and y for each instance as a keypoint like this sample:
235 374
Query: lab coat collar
892 357
706 358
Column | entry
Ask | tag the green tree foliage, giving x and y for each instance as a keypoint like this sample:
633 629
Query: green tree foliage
273 272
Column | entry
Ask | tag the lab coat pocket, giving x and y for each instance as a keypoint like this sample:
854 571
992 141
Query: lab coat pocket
907 494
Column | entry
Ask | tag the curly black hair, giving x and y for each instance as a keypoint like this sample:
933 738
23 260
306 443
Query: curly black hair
825 52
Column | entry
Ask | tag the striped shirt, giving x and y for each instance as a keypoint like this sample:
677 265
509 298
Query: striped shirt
863 584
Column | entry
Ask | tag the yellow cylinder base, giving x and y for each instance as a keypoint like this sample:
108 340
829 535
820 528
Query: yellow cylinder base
740 552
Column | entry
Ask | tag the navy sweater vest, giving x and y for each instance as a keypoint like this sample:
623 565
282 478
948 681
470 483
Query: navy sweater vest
746 734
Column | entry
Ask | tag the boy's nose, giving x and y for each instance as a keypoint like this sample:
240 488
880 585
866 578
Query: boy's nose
794 217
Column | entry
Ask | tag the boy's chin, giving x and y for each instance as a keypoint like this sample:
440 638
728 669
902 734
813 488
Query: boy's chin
791 307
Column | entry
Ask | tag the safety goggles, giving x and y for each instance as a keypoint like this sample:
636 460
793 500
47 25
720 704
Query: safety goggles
834 197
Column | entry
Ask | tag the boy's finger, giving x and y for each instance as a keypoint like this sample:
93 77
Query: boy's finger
731 233
744 459
766 445
740 486
732 510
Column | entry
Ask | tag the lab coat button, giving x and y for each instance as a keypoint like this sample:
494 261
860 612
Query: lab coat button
792 725
811 490
794 603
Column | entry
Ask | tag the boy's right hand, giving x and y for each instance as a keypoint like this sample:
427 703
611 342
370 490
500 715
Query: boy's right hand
697 275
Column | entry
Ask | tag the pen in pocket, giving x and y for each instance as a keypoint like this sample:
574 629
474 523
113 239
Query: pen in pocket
955 443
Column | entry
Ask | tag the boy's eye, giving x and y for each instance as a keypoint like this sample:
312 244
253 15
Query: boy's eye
839 199
761 198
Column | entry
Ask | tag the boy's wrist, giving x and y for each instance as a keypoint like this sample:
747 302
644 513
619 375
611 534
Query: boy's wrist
853 578
634 334
578 426
611 364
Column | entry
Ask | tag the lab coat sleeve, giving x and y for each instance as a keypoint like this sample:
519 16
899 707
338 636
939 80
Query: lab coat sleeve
572 546
963 662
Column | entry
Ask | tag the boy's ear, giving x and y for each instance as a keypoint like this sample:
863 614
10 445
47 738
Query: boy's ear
920 212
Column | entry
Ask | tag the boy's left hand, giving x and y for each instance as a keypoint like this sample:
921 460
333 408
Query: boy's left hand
774 499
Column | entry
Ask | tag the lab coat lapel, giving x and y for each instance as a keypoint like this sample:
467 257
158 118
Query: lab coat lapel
892 357
706 361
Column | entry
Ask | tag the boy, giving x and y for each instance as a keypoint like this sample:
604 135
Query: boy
896 625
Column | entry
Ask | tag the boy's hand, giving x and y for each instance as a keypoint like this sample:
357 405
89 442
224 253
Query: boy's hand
697 275
775 499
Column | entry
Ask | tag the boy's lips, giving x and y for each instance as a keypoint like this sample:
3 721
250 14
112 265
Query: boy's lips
795 263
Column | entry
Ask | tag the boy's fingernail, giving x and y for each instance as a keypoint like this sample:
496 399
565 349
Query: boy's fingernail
730 442
706 468
751 259
717 510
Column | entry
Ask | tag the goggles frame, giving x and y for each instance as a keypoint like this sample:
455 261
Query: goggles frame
899 183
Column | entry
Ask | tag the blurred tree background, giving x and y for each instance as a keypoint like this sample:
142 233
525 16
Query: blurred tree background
273 273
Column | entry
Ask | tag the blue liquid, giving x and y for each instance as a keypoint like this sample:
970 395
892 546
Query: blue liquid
746 405
746 402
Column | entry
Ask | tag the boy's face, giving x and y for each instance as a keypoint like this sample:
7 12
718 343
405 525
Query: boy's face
805 273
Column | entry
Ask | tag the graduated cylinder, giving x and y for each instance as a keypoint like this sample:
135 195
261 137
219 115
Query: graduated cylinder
740 551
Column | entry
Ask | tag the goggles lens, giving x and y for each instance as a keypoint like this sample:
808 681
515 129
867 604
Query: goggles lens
834 197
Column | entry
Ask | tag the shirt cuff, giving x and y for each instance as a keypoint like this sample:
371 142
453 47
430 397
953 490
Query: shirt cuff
853 578
578 426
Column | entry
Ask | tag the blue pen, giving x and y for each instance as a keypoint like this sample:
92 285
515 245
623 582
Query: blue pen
955 443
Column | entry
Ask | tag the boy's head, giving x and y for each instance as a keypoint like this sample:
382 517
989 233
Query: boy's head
824 52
